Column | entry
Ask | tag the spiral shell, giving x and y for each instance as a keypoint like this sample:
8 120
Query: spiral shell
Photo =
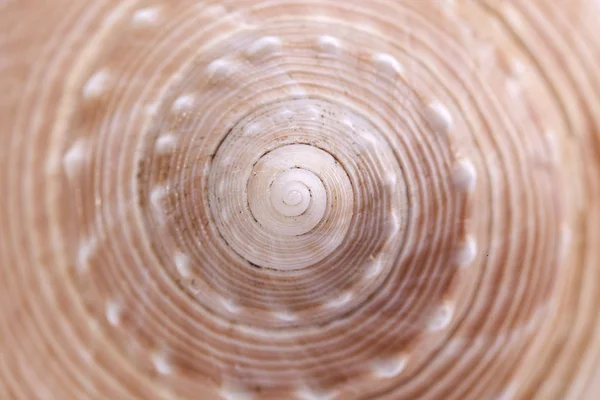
300 199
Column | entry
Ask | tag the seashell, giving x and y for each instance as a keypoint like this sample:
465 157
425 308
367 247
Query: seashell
255 199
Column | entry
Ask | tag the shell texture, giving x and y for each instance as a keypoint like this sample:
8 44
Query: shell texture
298 199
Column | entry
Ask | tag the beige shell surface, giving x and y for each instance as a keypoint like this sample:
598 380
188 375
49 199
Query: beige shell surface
298 199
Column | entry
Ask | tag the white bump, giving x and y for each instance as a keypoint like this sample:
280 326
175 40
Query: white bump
370 139
177 77
441 317
566 237
264 46
285 113
519 69
554 146
113 312
466 252
222 187
314 111
113 17
439 117
298 91
235 392
307 393
75 157
165 143
215 10
390 367
374 268
536 319
348 123
152 109
230 306
513 87
285 316
157 195
220 69
225 216
512 14
182 263
464 175
387 64
394 223
455 346
161 364
229 160
391 179
97 84
145 16
340 301
83 254
183 103
253 128
156 199
508 393
449 6
328 44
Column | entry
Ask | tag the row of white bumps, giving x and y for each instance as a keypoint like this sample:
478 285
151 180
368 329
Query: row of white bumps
464 177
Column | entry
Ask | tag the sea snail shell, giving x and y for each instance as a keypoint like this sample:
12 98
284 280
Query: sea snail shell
300 199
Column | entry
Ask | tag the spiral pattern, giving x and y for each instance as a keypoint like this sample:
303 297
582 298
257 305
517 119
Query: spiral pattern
300 199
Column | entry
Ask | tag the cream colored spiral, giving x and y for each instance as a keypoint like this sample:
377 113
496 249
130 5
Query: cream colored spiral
298 199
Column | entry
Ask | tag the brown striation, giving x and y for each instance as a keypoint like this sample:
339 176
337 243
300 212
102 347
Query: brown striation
300 199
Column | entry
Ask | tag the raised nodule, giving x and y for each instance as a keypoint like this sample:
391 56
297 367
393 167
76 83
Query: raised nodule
268 199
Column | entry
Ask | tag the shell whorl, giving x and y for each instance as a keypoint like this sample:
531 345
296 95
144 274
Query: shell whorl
300 199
